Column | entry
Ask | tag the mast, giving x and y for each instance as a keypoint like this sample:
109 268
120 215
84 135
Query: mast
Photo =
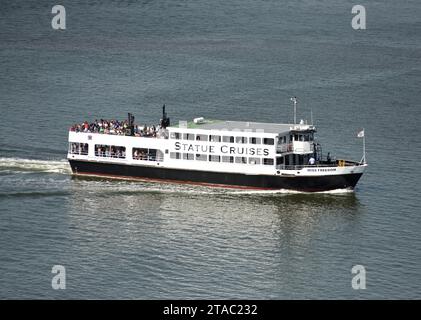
294 100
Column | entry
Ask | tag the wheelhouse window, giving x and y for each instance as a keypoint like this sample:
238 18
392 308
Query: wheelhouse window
228 139
269 141
241 139
188 136
268 161
213 138
78 148
282 140
309 137
254 140
107 151
175 135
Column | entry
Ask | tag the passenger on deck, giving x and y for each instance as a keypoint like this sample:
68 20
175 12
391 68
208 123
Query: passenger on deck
116 127
311 161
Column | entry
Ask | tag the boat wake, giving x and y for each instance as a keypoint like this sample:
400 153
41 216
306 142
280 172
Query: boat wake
29 165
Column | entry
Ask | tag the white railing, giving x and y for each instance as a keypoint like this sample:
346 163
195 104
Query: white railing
149 158
106 155
80 152
338 163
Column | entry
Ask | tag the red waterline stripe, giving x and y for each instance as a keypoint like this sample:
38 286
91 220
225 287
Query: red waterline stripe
214 185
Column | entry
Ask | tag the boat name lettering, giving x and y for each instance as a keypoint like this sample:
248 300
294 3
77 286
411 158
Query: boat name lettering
321 169
188 147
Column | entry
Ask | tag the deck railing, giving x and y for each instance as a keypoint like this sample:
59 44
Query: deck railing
321 164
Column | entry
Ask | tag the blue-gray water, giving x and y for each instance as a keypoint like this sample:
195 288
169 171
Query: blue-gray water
218 59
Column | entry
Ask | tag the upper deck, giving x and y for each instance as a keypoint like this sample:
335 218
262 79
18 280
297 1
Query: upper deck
244 126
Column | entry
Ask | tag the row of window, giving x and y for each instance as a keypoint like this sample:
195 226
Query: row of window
216 138
296 137
145 154
216 158
109 151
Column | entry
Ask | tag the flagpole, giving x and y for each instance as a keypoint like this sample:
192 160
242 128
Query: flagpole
361 134
364 147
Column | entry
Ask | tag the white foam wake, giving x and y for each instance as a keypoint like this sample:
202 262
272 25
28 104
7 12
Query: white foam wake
28 165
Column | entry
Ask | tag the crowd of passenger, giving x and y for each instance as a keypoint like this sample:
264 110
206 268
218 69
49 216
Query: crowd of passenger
117 127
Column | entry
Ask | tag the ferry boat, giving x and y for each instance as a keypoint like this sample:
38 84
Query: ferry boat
237 154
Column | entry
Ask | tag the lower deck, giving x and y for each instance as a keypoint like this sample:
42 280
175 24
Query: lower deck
318 181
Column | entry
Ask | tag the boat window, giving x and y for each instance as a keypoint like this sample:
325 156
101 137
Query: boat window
140 154
188 156
108 151
159 155
253 160
78 148
201 137
147 154
175 135
188 136
214 158
240 139
229 159
269 141
254 140
213 138
282 140
175 155
240 160
306 137
279 160
201 157
268 161
229 139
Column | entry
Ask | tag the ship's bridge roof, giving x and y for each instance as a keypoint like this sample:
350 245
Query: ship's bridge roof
245 126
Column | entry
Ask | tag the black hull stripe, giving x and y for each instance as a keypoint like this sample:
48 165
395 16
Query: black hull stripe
215 179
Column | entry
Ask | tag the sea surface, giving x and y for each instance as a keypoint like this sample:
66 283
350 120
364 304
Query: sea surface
231 60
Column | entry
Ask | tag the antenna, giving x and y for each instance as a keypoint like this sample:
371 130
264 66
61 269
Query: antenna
311 115
294 100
